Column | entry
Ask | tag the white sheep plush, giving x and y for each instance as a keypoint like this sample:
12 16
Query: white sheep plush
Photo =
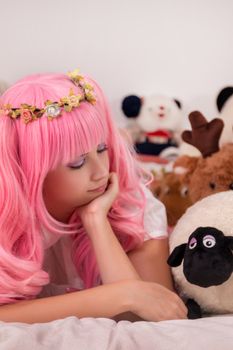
209 255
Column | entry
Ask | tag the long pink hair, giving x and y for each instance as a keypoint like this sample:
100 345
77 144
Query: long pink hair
27 153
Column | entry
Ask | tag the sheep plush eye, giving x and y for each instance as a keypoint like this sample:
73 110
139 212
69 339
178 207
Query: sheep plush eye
192 243
209 241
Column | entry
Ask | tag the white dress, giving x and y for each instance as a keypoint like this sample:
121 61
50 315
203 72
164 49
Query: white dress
57 260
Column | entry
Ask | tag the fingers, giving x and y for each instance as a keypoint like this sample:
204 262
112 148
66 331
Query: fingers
180 303
181 310
175 308
113 182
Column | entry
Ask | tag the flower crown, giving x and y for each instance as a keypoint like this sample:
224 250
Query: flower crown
54 109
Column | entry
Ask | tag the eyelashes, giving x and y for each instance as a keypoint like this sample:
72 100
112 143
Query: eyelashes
78 164
102 147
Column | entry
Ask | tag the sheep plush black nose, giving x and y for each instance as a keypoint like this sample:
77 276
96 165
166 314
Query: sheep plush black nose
208 258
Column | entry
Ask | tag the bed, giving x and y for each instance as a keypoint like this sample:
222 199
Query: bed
210 333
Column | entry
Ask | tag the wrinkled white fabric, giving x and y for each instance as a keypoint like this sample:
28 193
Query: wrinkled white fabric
212 333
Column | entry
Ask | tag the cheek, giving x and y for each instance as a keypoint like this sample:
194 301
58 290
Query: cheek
63 187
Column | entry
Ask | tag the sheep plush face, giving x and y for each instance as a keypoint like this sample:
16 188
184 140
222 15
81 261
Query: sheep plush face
204 251
208 259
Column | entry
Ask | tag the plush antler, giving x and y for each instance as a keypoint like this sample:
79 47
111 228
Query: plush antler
204 135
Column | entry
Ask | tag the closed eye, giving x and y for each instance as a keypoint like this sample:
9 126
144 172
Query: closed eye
78 164
102 147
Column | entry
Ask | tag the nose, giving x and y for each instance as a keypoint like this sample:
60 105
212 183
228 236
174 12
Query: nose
100 171
161 111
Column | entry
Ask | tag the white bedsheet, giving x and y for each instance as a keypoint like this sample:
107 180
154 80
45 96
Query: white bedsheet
212 333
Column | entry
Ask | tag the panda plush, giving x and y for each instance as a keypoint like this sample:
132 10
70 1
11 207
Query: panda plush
155 122
224 103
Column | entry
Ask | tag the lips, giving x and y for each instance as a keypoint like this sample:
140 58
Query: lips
99 189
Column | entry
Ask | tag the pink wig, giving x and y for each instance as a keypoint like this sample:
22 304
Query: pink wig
28 152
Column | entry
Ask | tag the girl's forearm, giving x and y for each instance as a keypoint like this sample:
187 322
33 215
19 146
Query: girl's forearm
114 264
103 301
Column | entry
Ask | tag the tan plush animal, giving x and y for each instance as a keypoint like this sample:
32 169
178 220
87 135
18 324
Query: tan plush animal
174 194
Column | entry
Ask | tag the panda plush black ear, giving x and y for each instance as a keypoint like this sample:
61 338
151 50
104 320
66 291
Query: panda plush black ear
131 106
177 255
229 241
223 96
179 104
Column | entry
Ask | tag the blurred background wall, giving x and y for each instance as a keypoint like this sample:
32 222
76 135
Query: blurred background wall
179 48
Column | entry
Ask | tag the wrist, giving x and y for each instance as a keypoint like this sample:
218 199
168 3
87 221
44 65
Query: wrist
130 289
94 220
127 296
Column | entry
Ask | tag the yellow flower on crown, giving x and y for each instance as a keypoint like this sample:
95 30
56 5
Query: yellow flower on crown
75 76
71 101
84 85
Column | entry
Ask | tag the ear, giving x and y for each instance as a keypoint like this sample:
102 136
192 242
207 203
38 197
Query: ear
223 96
178 103
176 257
131 106
229 241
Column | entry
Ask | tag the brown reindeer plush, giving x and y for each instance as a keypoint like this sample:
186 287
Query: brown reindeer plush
213 172
194 178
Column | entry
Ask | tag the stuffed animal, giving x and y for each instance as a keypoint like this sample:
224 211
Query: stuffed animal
171 191
225 107
213 172
155 122
201 256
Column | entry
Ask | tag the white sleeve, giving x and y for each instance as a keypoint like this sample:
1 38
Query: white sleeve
155 218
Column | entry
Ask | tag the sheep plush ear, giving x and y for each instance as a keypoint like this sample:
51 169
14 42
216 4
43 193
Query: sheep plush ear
176 257
229 241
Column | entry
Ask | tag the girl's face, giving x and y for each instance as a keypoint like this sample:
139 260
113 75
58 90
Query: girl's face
76 183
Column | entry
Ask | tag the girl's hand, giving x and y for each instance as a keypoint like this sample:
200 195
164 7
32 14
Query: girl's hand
101 205
153 302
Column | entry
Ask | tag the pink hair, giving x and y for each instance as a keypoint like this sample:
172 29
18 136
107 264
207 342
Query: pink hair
28 152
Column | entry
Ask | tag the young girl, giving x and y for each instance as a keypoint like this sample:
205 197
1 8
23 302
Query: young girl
78 228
